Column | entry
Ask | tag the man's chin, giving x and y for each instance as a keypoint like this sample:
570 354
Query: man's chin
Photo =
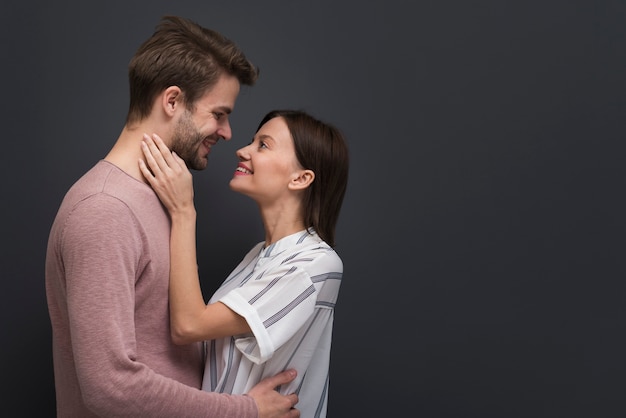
198 164
202 164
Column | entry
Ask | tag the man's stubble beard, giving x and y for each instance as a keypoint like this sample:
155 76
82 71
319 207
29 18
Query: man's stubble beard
186 141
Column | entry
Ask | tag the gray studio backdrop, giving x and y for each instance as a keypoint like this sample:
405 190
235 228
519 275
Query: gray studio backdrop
483 229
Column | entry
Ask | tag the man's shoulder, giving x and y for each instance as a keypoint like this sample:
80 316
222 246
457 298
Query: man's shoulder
106 181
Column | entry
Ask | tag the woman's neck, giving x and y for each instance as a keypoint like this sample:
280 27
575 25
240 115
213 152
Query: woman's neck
279 224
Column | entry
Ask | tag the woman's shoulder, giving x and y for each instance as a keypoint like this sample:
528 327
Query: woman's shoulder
317 255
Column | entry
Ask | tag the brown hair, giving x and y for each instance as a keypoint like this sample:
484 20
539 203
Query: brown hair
184 54
322 148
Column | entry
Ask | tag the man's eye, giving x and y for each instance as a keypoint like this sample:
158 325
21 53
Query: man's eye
218 115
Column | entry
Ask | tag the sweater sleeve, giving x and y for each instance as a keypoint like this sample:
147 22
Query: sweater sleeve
101 260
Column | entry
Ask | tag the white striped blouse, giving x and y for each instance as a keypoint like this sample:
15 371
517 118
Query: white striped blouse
287 293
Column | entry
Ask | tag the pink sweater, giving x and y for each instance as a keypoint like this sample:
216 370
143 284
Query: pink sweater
107 274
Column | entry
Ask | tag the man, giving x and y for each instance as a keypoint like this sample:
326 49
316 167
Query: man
107 263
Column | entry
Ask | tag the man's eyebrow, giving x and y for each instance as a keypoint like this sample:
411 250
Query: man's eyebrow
223 109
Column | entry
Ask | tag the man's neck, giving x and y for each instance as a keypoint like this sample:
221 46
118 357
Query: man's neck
126 151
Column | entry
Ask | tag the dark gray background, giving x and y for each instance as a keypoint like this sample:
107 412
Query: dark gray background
483 229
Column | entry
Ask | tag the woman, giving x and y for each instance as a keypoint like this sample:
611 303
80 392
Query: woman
275 310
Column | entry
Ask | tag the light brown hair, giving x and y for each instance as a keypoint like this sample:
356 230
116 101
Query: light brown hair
182 53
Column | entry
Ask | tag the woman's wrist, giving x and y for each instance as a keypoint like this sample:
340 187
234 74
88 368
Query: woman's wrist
184 214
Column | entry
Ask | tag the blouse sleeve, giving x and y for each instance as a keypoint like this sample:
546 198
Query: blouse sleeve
277 302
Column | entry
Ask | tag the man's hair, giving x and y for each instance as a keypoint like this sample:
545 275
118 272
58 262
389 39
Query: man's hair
322 148
182 53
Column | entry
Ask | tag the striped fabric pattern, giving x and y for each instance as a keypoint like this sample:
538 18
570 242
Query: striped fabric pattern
287 292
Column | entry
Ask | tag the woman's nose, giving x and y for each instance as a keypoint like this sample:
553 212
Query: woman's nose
243 154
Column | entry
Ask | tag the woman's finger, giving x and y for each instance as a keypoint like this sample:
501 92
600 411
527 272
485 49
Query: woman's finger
146 171
166 154
149 157
155 160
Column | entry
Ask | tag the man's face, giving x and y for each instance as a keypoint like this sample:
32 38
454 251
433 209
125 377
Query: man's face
198 130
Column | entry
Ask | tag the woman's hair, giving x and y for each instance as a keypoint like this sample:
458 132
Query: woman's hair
184 54
322 148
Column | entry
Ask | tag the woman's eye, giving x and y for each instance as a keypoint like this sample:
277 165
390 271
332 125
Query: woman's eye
262 145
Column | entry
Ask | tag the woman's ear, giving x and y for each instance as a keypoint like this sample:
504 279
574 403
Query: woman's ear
302 180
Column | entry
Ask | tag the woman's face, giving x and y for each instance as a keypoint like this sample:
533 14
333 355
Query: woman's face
267 164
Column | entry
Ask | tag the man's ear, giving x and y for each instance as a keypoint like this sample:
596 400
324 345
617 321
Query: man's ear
302 180
171 100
